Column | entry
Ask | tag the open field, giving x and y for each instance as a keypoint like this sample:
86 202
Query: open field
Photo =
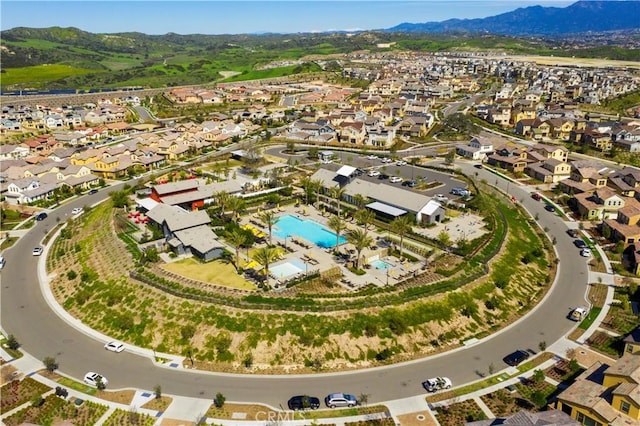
40 74
571 61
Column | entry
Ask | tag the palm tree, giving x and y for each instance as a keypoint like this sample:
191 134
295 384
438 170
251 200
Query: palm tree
337 224
359 238
308 186
359 200
365 218
266 256
401 225
337 193
237 205
223 198
237 238
269 219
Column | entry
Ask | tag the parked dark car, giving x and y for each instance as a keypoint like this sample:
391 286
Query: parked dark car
93 191
573 233
579 243
516 357
303 402
536 196
409 183
41 216
549 208
383 176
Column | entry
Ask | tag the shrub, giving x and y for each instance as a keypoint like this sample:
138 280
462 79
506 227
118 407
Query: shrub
50 364
12 342
219 400
71 275
384 354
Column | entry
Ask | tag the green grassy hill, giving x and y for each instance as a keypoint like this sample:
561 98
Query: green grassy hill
62 58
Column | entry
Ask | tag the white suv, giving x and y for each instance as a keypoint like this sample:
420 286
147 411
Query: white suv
373 173
395 179
334 400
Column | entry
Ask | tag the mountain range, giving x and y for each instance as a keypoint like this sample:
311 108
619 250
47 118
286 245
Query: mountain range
579 17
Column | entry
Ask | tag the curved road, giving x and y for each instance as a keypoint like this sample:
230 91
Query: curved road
25 313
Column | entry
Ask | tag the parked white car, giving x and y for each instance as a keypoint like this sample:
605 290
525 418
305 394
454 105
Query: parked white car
37 251
395 179
373 173
585 252
436 384
578 314
401 163
92 379
76 211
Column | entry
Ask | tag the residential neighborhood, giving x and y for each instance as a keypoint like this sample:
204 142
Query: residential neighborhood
302 197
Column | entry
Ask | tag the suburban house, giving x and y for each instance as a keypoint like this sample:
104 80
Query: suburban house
603 203
605 395
632 342
525 418
586 176
187 232
559 153
549 171
477 149
625 227
509 158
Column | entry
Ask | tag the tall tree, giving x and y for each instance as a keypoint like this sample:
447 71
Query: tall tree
337 193
401 225
359 238
237 205
365 217
266 256
337 224
269 219
237 238
223 198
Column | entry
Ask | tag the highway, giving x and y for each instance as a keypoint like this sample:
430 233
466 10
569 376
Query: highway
25 313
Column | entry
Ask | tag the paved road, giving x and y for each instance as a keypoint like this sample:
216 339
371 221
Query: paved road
42 333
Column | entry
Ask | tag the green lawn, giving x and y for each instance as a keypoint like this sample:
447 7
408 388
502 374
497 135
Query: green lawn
591 317
216 272
40 74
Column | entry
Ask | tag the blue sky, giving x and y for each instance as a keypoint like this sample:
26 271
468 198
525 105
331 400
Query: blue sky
244 16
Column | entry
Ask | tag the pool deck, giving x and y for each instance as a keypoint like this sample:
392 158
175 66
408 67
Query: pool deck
317 258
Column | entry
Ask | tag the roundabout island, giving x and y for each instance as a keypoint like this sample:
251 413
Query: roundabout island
376 335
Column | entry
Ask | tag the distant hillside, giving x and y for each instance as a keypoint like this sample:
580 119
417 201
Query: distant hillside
69 58
580 17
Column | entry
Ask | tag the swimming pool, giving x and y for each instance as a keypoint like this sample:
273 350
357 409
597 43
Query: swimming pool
381 264
289 225
287 269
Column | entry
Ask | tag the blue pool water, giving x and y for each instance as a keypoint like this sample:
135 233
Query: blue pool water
289 225
381 264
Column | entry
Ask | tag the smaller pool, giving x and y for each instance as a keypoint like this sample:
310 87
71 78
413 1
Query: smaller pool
381 264
287 269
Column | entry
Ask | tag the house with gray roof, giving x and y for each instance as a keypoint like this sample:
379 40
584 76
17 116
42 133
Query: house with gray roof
389 201
187 232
